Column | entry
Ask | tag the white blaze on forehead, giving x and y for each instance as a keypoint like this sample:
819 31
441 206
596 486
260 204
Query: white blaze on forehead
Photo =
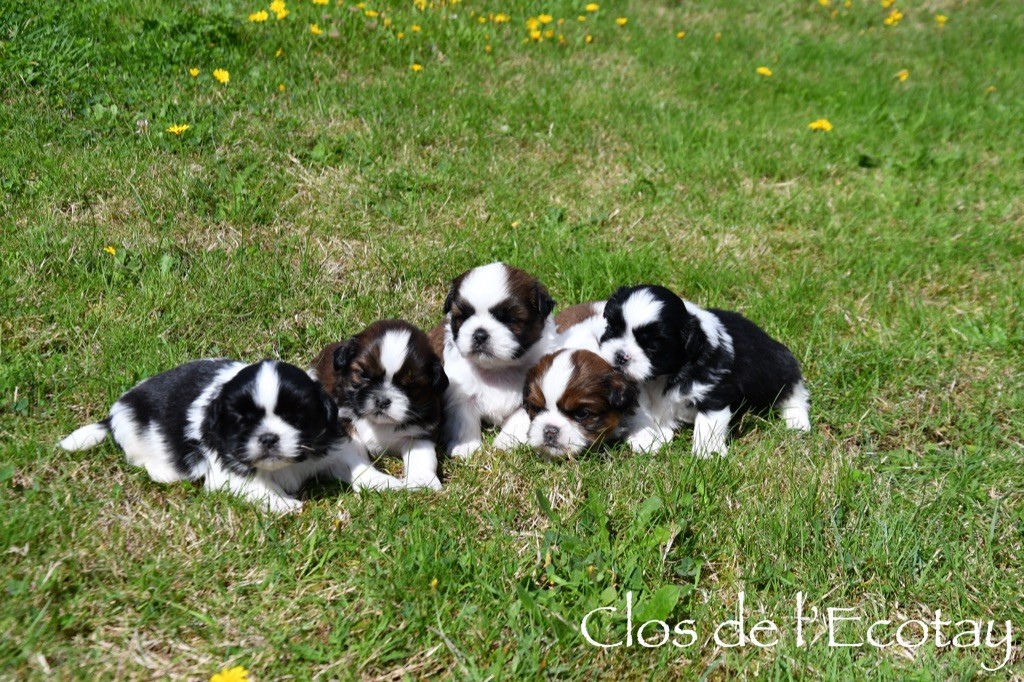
556 379
640 308
485 286
267 387
393 350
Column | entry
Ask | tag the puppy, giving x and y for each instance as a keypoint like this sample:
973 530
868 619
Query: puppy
258 431
390 378
576 400
580 326
697 366
497 325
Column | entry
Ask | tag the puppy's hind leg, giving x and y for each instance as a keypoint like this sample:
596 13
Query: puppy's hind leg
795 408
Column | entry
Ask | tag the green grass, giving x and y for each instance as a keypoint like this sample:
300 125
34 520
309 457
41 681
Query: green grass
886 253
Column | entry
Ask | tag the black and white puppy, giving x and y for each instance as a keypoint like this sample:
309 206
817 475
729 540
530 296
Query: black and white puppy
390 378
258 431
577 400
697 366
497 325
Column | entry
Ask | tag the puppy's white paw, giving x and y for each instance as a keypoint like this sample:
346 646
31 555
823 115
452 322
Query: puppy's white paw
283 505
648 441
506 440
464 450
424 484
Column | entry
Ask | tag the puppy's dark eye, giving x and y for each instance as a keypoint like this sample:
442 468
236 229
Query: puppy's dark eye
533 409
582 414
359 377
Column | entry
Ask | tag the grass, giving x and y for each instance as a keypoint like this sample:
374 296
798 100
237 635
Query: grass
886 253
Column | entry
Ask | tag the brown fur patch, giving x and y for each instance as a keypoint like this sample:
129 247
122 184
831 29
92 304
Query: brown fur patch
573 315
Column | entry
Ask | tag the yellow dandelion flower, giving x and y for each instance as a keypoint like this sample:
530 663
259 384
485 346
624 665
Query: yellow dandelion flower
902 75
177 129
532 24
535 34
764 71
821 124
320 2
315 30
280 87
416 67
824 3
592 7
588 39
581 18
894 18
277 6
400 35
848 4
544 18
516 223
279 52
718 36
371 13
681 34
222 75
259 17
421 5
111 250
415 28
941 20
550 33
886 4
487 49
193 72
236 674
622 21
501 18
481 19
387 21
433 584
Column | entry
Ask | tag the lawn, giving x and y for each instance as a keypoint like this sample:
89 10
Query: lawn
356 160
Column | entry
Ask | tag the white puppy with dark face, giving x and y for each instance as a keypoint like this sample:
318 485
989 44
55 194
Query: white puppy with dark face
497 326
390 378
697 366
258 431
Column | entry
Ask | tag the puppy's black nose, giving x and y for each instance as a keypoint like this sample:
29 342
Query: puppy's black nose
382 402
621 358
480 337
269 440
550 434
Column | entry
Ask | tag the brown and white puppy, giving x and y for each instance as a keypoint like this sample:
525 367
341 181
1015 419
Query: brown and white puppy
580 326
392 381
497 325
576 400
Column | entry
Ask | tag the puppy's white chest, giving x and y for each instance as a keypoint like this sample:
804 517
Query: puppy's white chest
669 408
382 438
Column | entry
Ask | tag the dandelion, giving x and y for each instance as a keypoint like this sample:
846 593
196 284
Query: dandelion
400 35
535 34
588 39
501 18
279 52
280 87
622 21
516 223
236 674
481 19
259 17
177 129
821 124
315 30
371 13
718 37
764 71
592 7
415 28
581 18
433 584
279 9
941 20
848 4
387 21
824 3
487 49
886 4
550 33
894 18
193 72
421 5
544 18
320 2
416 67
222 75
532 24
680 35
110 249
902 75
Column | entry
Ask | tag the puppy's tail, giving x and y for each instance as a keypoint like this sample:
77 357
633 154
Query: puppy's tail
89 436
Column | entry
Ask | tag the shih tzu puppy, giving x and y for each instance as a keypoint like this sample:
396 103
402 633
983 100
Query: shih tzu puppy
258 431
576 400
697 366
392 381
497 325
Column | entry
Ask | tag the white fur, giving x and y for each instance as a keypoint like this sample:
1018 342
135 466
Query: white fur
394 348
483 288
419 458
795 408
350 462
586 334
260 488
197 410
710 431
711 326
639 309
88 436
571 439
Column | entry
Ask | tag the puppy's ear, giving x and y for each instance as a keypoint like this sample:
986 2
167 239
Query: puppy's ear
438 377
330 407
623 394
545 304
343 355
453 291
693 339
213 428
613 306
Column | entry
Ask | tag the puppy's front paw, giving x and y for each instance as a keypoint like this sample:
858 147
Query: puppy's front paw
424 484
506 440
648 441
283 505
464 450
